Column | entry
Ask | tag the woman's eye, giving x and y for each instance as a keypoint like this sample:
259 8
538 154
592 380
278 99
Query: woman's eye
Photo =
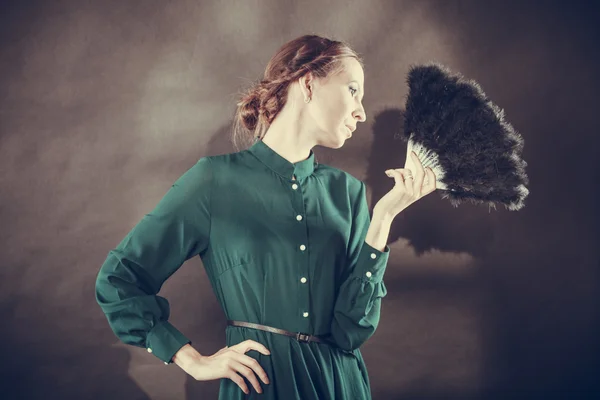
354 91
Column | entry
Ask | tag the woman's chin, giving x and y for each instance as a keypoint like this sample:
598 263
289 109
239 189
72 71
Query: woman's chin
341 141
338 140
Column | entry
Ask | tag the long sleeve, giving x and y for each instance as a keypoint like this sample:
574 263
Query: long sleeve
177 229
358 304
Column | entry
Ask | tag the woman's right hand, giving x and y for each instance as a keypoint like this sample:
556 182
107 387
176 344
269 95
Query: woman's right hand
229 361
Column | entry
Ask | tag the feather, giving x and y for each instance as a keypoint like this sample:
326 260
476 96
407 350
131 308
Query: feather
463 137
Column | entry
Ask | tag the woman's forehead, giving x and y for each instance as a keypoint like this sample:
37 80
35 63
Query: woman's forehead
352 69
348 76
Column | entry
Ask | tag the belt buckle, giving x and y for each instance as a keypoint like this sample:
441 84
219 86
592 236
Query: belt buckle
302 337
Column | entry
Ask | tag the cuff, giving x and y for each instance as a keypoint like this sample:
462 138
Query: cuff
164 340
371 263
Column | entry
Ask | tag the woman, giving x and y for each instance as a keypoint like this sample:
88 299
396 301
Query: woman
288 244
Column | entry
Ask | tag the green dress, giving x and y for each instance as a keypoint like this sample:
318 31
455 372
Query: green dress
278 251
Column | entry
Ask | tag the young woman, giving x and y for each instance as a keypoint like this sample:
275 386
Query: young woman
288 244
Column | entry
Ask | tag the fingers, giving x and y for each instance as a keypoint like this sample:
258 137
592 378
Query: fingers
249 367
408 181
252 345
238 380
246 365
399 176
424 183
429 184
420 174
252 363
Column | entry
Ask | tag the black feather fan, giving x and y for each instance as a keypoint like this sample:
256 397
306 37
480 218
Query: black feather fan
462 136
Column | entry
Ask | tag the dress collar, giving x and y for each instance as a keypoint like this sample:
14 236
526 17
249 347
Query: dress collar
280 165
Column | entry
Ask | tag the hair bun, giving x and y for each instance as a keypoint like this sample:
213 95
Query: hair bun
249 110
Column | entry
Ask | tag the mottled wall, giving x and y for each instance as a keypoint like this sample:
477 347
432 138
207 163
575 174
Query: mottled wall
103 104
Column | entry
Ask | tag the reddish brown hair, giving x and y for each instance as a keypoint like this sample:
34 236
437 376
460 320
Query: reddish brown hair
260 103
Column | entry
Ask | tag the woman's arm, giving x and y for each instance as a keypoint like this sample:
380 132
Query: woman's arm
356 311
379 230
128 282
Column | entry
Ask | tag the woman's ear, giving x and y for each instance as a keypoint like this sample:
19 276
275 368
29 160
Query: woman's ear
306 84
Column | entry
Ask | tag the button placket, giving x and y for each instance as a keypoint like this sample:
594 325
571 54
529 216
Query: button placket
303 294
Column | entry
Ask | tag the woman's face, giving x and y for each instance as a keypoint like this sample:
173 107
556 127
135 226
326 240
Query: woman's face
337 103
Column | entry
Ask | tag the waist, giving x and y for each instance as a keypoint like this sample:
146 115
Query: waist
299 336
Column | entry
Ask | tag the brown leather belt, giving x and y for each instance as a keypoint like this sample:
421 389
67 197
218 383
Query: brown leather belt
301 337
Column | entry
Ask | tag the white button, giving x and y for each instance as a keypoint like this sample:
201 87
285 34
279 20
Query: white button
299 217
294 186
305 314
303 280
302 247
369 274
373 255
166 363
149 350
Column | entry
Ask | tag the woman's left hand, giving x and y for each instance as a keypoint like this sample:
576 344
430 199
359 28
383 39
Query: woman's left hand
408 187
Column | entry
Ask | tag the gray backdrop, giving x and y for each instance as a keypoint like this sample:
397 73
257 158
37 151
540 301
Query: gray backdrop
104 104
